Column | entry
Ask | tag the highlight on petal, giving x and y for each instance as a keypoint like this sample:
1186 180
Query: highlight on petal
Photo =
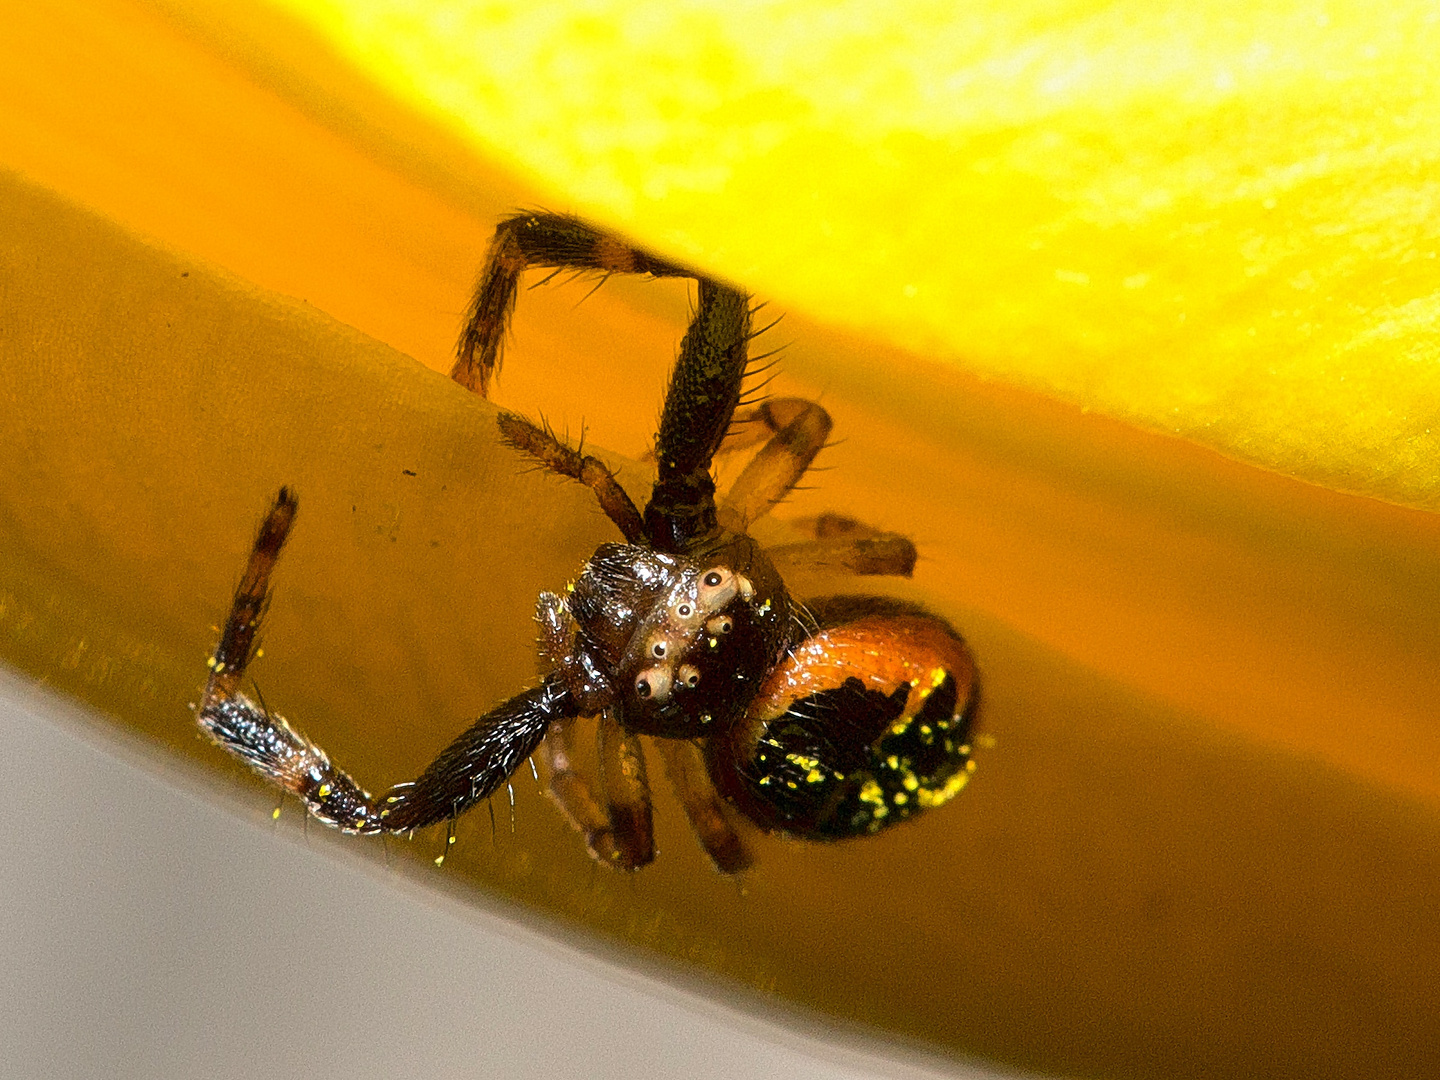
1215 221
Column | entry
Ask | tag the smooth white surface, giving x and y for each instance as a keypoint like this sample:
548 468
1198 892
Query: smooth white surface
148 933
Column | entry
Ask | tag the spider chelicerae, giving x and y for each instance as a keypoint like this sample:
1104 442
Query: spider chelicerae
824 720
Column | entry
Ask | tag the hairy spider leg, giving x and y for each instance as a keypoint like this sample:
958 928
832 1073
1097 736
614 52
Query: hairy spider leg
710 817
557 457
843 545
627 792
773 472
754 424
840 544
699 405
619 834
704 388
467 771
535 240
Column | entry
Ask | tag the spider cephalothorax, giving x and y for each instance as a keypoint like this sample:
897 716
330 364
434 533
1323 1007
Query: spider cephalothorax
822 721
664 640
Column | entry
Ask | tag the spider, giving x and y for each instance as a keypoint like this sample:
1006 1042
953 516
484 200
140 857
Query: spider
821 721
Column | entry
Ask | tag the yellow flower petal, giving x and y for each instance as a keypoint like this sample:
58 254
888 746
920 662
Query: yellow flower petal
1210 220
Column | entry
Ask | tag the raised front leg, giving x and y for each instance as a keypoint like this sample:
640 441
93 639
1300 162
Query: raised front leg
535 240
704 392
467 771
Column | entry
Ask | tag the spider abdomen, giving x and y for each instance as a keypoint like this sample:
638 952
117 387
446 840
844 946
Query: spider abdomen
863 725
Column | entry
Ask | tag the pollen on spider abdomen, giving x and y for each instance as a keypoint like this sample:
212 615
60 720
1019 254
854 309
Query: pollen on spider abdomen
863 725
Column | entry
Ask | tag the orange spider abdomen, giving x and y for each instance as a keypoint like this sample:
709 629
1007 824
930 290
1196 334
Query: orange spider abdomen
864 724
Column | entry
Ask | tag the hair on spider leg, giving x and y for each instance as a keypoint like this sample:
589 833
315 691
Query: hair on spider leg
449 840
546 279
593 289
756 367
270 717
766 328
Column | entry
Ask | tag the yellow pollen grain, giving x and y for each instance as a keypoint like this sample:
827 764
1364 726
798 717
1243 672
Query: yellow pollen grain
928 797
325 790
870 793
814 776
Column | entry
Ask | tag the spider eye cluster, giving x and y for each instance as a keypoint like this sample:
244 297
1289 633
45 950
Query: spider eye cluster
691 619
675 644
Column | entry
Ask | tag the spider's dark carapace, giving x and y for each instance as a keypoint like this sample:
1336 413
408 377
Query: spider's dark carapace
824 720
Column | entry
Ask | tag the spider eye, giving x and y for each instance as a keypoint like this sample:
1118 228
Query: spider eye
654 684
713 578
689 675
721 625
683 611
658 649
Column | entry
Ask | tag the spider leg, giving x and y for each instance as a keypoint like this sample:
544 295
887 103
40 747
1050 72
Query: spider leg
703 395
619 834
843 545
705 385
710 816
556 456
627 792
753 424
467 771
776 469
535 240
